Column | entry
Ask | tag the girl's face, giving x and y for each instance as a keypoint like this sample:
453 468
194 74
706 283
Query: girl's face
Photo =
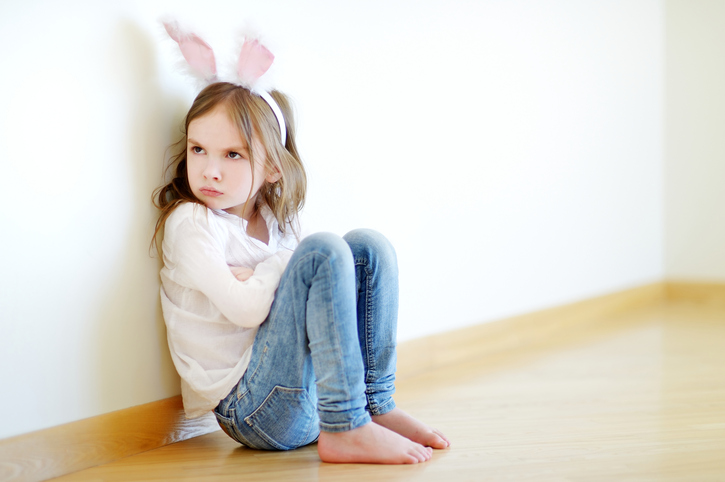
218 165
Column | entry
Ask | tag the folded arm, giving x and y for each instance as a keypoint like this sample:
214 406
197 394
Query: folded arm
200 264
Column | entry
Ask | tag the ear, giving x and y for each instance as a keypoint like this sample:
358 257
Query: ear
273 176
254 60
198 54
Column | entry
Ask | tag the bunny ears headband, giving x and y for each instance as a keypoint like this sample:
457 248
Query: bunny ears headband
254 60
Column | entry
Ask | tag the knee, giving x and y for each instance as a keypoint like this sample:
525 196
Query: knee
329 245
371 244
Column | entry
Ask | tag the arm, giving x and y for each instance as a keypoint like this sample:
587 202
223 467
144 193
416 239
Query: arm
200 264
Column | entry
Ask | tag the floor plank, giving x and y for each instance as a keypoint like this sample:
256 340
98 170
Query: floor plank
637 397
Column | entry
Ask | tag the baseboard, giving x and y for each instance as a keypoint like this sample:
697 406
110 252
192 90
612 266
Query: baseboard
521 332
99 440
694 292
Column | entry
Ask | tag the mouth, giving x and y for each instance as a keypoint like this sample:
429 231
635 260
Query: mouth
208 191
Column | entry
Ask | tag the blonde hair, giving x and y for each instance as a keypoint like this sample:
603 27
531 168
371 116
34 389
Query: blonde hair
252 115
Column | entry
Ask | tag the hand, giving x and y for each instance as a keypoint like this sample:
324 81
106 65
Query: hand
241 273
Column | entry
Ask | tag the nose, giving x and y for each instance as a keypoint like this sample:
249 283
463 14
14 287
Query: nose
211 170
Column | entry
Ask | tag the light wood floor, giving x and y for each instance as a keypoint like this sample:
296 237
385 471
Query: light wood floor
638 397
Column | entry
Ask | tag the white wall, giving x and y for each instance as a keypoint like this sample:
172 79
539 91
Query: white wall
84 122
513 152
695 160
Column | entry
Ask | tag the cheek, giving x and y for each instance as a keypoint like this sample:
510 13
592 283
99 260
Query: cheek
189 171
241 174
192 174
194 166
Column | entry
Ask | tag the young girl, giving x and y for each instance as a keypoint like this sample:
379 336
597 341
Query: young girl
287 343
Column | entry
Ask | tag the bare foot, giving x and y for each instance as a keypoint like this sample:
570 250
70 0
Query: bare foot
400 422
370 444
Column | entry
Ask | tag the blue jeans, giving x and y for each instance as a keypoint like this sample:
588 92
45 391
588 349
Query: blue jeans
324 359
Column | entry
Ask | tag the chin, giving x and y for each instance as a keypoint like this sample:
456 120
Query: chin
212 205
206 201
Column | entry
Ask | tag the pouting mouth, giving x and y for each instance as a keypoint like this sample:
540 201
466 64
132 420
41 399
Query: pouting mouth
210 191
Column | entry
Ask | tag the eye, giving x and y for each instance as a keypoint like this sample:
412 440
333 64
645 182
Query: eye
236 155
197 150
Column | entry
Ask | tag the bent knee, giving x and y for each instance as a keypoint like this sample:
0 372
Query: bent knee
370 241
328 244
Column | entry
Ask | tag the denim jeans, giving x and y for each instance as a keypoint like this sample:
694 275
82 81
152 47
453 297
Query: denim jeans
324 359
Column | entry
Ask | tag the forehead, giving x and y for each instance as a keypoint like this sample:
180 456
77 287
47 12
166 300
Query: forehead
215 125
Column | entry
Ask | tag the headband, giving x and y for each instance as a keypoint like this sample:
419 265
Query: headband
253 61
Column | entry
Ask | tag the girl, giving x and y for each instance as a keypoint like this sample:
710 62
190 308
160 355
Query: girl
287 343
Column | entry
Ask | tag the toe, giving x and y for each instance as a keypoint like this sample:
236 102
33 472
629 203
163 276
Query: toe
421 453
441 442
412 459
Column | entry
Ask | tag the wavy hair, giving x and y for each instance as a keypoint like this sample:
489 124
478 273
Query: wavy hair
252 115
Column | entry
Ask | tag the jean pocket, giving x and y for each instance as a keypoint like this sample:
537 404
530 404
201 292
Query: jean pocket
287 419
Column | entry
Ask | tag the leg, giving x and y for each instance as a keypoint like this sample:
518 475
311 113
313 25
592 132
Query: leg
332 298
305 371
311 332
376 272
376 276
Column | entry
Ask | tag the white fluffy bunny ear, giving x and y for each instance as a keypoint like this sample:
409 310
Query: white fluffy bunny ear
198 54
254 60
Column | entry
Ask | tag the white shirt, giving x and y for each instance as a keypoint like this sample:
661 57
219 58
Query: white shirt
211 317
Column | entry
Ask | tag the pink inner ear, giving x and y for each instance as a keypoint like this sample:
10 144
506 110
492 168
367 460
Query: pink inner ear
254 60
197 53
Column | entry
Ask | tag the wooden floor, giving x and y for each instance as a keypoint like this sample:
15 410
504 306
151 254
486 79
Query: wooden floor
637 397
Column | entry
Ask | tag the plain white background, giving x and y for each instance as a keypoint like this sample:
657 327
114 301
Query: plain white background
519 154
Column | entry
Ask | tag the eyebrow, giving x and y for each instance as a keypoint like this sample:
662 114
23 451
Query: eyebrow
189 140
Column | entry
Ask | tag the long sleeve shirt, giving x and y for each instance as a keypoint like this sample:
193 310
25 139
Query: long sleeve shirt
211 317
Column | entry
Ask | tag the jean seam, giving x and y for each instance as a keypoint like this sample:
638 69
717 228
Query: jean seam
243 394
371 371
369 314
369 359
371 367
382 408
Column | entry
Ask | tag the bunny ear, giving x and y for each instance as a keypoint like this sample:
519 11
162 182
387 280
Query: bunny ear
198 54
254 60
